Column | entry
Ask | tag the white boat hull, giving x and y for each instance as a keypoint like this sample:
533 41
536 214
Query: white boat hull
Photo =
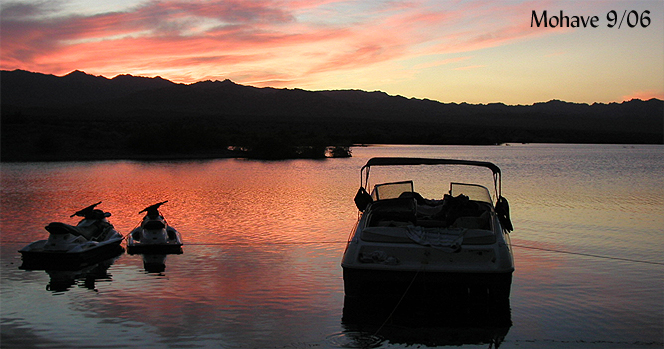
160 241
383 267
154 235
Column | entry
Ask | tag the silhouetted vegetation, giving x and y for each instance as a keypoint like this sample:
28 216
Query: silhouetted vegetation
80 116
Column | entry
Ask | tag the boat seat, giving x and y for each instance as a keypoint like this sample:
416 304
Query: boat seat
63 228
471 222
390 223
400 235
398 210
394 205
154 225
386 234
431 223
424 210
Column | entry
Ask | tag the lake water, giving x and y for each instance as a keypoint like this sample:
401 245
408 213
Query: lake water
264 241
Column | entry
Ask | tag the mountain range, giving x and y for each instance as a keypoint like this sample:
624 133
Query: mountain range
61 117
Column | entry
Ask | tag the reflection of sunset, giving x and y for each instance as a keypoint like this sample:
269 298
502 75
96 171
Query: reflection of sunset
220 286
208 202
246 227
535 264
264 240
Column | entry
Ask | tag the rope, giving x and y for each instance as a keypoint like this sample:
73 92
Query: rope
514 245
126 237
398 303
589 255
238 243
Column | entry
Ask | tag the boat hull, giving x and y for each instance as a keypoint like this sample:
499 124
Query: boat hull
145 242
363 282
162 240
45 259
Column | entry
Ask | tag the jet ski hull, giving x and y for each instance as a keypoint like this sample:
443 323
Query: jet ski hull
40 259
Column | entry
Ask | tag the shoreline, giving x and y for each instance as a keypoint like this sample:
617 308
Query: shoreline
235 154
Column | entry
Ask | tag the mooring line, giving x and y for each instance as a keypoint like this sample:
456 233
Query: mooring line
398 303
344 242
244 243
589 255
514 245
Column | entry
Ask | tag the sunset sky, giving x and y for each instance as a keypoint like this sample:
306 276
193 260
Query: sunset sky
450 51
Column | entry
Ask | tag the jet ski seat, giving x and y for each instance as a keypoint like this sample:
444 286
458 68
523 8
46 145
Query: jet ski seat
63 228
154 225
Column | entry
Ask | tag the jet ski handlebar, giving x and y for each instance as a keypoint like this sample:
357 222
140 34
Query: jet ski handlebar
86 211
153 208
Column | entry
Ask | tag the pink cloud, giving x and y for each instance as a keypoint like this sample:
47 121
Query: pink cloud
470 67
482 25
359 57
151 31
250 39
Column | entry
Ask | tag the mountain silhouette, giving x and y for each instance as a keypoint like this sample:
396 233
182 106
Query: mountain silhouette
50 117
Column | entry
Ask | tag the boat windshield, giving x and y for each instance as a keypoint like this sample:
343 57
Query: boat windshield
472 191
391 190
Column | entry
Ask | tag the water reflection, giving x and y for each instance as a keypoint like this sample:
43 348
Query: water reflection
430 321
264 243
63 277
154 263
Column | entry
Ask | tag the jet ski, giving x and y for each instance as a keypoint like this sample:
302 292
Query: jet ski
91 241
154 235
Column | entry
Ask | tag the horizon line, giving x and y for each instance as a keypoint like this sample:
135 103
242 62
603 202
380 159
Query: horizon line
625 100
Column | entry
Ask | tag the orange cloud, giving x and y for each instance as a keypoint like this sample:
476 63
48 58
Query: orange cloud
205 35
284 43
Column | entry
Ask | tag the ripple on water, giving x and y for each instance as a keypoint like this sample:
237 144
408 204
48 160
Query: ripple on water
354 340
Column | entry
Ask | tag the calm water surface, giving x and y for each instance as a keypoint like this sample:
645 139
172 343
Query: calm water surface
263 243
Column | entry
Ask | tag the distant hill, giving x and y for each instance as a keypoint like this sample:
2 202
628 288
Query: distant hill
51 117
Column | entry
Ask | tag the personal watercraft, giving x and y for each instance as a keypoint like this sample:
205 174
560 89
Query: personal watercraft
154 235
92 240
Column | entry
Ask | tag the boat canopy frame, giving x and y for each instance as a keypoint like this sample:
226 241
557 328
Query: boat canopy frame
404 161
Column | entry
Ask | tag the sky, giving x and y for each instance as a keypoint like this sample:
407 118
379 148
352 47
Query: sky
476 52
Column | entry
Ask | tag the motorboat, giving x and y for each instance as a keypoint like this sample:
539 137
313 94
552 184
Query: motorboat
91 241
404 242
154 235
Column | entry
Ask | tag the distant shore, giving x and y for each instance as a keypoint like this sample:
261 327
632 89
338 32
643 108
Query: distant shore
80 117
331 152
202 156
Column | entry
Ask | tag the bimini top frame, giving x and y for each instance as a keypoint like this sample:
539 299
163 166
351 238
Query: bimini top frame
399 161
